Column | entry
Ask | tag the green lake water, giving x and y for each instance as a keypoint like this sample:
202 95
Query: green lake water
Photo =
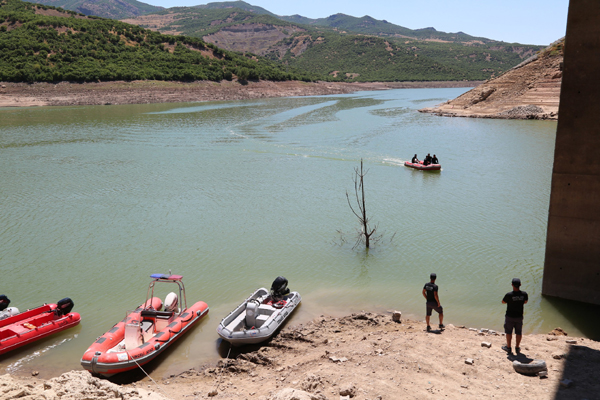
232 194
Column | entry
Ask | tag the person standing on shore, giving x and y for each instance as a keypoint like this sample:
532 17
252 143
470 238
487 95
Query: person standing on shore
514 301
430 292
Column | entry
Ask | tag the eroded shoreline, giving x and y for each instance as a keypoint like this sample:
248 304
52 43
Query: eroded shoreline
359 356
146 92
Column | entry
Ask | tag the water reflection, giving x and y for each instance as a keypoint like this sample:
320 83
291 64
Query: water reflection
580 315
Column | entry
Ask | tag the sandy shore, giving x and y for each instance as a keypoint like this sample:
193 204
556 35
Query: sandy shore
362 356
144 92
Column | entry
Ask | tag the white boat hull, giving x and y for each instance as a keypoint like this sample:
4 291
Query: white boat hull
257 319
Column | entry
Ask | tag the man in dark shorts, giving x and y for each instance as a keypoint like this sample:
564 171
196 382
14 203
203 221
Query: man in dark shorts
430 292
514 315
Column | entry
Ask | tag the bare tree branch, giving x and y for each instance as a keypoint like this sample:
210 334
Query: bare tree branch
359 194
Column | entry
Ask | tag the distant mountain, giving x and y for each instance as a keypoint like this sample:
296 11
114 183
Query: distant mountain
371 26
242 5
114 9
344 47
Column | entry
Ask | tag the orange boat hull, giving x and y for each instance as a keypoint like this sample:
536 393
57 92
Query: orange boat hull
32 325
109 354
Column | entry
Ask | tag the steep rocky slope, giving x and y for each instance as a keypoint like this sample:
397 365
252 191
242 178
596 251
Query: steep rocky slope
531 90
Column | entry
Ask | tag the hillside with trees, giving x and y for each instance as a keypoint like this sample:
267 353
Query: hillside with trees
42 43
114 9
395 54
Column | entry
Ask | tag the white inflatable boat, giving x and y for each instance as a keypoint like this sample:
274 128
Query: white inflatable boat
260 315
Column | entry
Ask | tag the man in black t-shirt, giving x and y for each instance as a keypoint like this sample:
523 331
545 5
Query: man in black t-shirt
427 160
430 292
514 314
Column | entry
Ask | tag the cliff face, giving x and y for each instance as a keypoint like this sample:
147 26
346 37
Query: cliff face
531 90
254 38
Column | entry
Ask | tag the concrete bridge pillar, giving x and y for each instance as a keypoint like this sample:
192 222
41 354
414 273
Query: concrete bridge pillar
572 264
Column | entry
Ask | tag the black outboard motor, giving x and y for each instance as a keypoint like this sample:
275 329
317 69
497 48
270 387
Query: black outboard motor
4 302
279 288
64 306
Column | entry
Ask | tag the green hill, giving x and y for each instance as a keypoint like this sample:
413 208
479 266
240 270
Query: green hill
394 54
115 9
242 5
42 43
371 58
198 22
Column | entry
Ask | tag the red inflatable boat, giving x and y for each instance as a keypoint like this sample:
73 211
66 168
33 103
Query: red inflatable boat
145 332
34 324
419 165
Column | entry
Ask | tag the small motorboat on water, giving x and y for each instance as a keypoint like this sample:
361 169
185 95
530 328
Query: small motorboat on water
421 166
145 332
18 329
260 315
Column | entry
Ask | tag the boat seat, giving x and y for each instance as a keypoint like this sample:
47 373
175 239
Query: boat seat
146 325
261 319
265 309
147 330
133 335
251 313
156 314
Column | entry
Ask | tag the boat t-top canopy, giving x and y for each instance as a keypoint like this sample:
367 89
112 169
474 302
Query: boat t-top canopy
166 277
177 279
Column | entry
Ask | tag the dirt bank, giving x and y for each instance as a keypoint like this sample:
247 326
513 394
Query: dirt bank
362 356
143 92
531 90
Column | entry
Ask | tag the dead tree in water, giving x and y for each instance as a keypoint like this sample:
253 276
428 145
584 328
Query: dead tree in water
359 191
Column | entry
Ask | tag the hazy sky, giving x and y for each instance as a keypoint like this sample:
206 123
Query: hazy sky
524 21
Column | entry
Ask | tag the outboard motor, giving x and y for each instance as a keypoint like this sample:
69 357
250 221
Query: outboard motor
9 312
171 302
279 288
64 306
4 302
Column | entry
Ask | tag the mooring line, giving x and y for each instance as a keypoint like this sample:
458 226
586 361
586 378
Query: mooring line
223 366
140 367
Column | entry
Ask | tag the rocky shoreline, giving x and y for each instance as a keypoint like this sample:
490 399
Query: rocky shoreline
530 90
360 356
145 92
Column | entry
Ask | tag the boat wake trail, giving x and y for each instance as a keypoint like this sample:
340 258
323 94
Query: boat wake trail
393 161
17 365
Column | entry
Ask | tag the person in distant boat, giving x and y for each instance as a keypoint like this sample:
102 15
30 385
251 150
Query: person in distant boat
513 319
427 160
415 160
430 292
434 160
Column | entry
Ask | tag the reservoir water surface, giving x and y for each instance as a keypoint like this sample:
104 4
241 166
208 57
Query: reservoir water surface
93 200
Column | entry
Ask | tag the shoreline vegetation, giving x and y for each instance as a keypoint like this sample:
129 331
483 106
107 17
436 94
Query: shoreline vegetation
146 92
359 356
